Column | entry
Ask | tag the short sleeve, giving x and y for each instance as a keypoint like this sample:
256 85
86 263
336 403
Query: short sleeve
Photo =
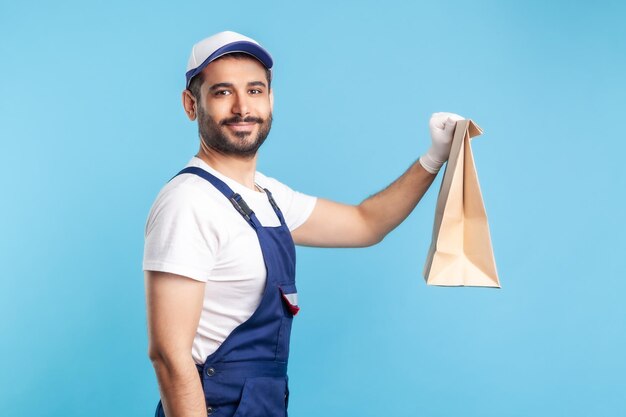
296 206
180 237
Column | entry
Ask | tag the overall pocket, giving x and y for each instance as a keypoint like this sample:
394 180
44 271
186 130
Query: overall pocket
289 295
263 397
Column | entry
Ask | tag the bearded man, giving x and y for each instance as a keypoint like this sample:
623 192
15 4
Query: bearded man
219 256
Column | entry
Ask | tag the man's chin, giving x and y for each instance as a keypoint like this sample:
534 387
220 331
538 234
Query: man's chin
247 145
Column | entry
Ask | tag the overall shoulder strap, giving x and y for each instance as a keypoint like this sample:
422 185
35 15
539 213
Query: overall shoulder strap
237 201
277 210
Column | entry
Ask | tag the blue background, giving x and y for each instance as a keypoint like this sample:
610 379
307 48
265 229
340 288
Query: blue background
91 127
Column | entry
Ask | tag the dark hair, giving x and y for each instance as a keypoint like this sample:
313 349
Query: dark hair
196 82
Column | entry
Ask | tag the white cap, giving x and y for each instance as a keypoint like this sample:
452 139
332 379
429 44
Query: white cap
220 44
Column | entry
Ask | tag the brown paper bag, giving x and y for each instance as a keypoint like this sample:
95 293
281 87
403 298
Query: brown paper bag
460 253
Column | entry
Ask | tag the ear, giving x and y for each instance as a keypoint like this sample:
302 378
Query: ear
272 100
189 104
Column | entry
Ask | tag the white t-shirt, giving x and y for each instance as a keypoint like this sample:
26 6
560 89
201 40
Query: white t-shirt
193 230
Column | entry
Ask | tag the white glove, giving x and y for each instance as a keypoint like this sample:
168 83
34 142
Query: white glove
441 132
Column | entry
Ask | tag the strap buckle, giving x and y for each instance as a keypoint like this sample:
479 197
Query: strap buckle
241 206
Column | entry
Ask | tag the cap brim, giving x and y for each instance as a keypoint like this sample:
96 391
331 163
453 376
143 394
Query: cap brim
249 48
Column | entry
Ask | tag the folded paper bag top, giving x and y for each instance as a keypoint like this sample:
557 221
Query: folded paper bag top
461 253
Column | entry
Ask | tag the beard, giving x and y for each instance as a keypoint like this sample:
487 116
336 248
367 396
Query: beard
214 134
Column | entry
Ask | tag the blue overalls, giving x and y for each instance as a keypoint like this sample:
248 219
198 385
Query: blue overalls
247 375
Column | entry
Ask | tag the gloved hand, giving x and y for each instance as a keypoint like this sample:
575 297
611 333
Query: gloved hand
441 132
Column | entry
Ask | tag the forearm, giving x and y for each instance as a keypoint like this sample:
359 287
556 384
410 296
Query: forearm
180 387
334 224
385 210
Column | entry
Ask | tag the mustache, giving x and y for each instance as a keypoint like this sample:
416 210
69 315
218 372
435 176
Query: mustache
239 119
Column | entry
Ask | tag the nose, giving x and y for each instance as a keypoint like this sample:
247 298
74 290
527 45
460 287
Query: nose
241 106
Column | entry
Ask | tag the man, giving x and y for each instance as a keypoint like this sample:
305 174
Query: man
219 255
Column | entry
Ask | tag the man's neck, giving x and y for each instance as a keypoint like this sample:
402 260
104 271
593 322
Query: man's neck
239 169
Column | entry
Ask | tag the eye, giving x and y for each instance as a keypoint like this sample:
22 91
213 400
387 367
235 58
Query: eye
256 91
222 93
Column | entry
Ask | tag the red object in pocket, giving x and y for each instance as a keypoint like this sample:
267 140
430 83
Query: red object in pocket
291 301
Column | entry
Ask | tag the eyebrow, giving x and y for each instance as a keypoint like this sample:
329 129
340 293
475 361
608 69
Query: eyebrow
256 84
230 85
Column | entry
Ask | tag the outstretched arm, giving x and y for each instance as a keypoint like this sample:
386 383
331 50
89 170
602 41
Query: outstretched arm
340 225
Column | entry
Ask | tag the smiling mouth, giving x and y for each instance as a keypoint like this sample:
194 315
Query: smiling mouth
240 126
